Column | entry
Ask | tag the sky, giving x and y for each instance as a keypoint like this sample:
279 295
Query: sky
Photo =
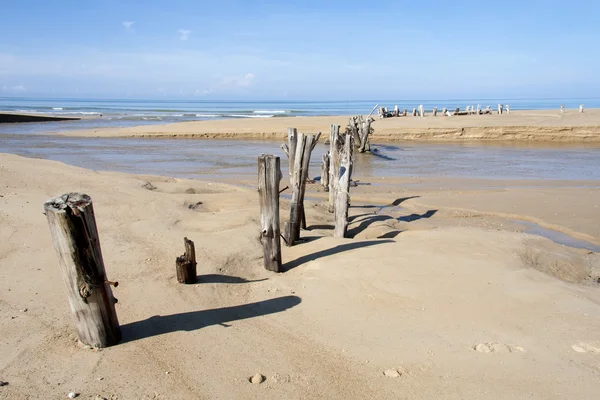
300 50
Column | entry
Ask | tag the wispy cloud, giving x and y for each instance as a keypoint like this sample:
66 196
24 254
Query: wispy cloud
184 34
243 81
14 89
128 25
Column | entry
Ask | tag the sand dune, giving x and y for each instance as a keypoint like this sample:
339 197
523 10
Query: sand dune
436 296
537 126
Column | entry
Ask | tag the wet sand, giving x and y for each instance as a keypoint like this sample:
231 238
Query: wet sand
524 126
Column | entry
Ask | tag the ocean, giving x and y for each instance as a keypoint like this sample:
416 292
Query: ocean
98 113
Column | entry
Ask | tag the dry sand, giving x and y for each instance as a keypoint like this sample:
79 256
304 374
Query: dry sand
544 126
437 296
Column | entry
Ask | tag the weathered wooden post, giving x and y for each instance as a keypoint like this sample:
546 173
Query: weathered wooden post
360 129
581 108
405 112
508 108
444 111
435 109
396 111
305 145
562 109
290 150
269 175
468 109
421 111
457 110
185 265
499 108
75 236
334 165
345 148
414 113
478 109
325 172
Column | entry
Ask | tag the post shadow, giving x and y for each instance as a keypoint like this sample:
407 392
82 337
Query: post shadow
194 320
329 252
415 217
218 278
365 223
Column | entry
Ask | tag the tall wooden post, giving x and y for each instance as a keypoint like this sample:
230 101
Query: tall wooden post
269 175
562 109
185 265
581 108
508 108
75 236
435 111
345 148
444 110
396 111
405 112
304 147
334 165
414 112
325 172
421 111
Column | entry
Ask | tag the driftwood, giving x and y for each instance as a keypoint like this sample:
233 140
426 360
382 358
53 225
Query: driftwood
360 129
334 165
186 264
344 147
304 146
269 175
325 172
75 236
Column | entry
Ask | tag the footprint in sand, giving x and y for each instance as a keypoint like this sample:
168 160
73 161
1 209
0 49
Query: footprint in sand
497 348
590 347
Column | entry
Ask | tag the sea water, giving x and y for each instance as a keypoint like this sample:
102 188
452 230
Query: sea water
98 113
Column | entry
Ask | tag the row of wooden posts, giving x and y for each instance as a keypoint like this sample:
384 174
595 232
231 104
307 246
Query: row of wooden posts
75 235
420 111
336 173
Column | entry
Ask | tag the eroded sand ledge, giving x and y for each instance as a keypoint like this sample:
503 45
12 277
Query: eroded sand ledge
530 126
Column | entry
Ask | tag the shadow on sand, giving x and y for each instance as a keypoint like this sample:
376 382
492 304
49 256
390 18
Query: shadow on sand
329 252
217 278
194 320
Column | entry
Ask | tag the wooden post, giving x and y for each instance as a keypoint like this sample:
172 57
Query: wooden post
414 112
457 110
186 264
444 111
508 108
75 236
421 111
468 109
435 109
581 108
499 109
478 109
290 151
334 165
304 148
562 109
325 172
405 112
269 175
345 148
396 111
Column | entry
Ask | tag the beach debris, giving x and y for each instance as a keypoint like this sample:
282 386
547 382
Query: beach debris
72 395
257 379
392 373
24 310
3 383
75 235
195 205
190 191
185 265
149 186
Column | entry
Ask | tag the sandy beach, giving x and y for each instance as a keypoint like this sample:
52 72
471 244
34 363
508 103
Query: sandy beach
525 126
439 293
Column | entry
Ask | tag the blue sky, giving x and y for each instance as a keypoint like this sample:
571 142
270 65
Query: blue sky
300 50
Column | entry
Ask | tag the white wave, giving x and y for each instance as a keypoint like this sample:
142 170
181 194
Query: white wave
269 111
249 116
209 115
58 108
